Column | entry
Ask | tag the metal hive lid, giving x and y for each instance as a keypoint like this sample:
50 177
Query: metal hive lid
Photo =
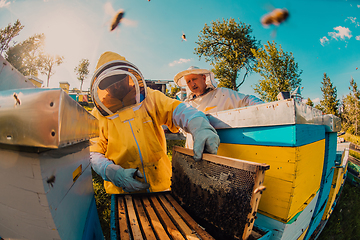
47 118
284 112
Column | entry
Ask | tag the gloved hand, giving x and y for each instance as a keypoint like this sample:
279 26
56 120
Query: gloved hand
125 178
204 136
119 176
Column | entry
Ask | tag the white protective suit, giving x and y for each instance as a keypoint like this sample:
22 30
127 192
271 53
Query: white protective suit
215 99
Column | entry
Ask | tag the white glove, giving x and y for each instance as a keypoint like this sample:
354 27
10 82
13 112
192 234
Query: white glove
119 176
204 136
125 178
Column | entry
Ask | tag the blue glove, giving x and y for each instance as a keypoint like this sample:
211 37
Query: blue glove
125 178
119 176
204 136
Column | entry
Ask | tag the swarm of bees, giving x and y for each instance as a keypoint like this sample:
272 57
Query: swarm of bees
116 19
276 17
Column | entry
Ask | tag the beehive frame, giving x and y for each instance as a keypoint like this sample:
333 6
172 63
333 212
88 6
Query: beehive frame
189 175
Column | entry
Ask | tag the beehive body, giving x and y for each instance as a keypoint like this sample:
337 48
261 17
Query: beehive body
299 144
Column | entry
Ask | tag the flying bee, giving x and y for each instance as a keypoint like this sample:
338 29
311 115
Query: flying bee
276 17
116 19
16 98
51 180
183 37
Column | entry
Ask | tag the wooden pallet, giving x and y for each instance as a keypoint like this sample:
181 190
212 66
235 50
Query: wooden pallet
155 216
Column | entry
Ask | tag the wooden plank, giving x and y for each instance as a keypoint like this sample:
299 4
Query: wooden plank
354 160
123 229
158 227
227 161
188 219
171 228
254 203
184 228
145 223
354 147
134 224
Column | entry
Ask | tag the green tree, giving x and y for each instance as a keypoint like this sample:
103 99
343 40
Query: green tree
174 89
25 56
227 46
351 109
279 70
47 63
82 71
330 103
8 33
309 102
319 107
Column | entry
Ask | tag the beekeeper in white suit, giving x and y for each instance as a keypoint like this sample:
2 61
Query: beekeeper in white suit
203 94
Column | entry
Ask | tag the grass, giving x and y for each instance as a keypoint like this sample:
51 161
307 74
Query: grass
344 223
351 138
103 203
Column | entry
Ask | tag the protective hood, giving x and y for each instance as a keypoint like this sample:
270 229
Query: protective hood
116 85
180 80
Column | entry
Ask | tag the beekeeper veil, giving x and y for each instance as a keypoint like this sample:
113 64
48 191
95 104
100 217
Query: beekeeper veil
179 78
117 85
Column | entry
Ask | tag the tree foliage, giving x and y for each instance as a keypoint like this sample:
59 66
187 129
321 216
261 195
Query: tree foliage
174 89
227 46
309 102
82 71
351 110
25 56
8 33
47 62
330 103
279 70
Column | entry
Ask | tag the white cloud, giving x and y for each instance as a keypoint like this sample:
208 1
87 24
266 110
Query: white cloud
342 32
324 40
357 38
316 101
353 20
358 6
3 3
181 60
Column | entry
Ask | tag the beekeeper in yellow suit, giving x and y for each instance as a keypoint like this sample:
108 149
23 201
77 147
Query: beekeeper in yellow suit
130 154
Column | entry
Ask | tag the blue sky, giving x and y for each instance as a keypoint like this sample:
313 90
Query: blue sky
324 36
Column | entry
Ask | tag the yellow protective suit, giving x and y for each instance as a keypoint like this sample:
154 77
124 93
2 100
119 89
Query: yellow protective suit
136 133
134 138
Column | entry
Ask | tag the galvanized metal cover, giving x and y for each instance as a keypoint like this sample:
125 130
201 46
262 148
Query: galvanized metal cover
282 112
47 118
